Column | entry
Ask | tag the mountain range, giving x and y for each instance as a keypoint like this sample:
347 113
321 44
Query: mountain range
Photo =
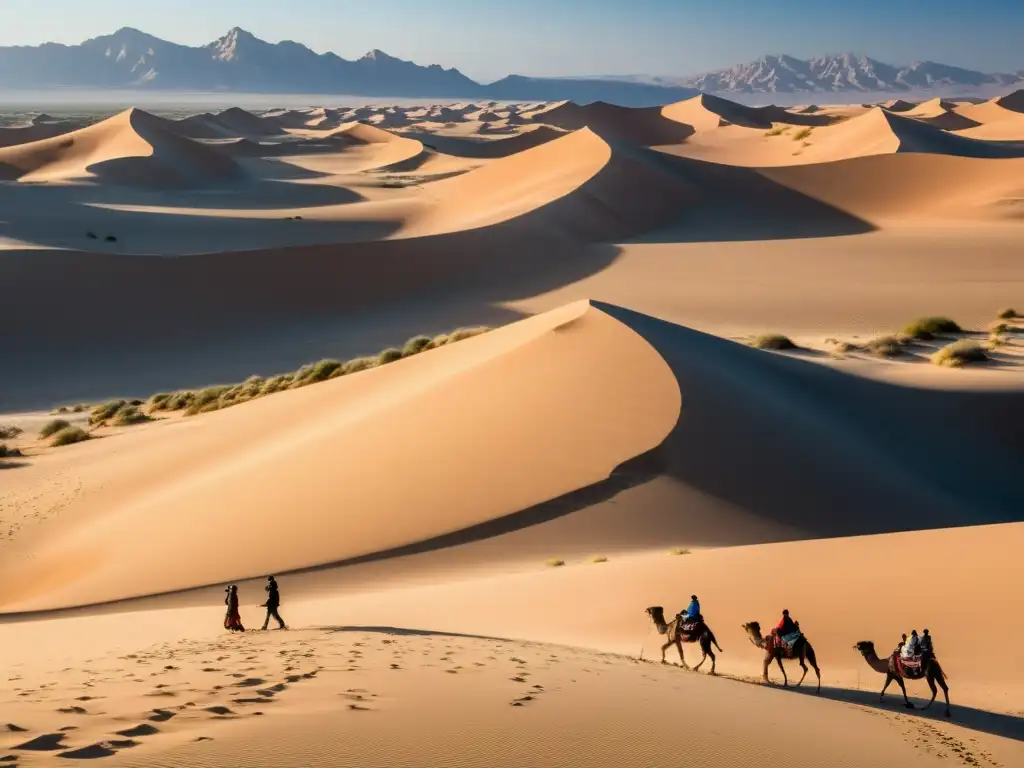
241 62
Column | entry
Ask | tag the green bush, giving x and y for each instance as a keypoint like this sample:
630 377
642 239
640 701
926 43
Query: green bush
8 453
925 328
960 353
1008 314
129 415
69 436
10 432
415 345
360 364
389 356
53 427
885 346
773 341
323 370
460 334
101 413
801 135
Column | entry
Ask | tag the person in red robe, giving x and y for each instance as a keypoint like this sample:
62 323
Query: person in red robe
232 619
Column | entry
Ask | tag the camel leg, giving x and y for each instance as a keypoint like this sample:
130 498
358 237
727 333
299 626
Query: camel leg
663 649
906 702
785 680
888 679
935 691
803 666
713 660
767 661
682 659
941 680
814 663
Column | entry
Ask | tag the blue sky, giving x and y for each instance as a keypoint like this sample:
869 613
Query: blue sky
488 39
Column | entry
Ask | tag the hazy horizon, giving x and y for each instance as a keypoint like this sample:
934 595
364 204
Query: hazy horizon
487 40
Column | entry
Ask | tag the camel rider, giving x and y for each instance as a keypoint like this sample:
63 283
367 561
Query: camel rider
786 627
901 644
910 649
692 612
925 644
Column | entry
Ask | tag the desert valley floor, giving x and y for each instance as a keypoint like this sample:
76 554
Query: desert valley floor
651 352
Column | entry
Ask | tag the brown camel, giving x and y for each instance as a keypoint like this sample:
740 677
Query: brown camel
676 636
774 649
930 671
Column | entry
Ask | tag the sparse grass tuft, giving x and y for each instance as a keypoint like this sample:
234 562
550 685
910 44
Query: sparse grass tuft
10 432
129 415
773 341
69 436
778 130
460 334
801 135
885 346
998 327
679 551
960 353
102 413
9 453
1008 314
554 562
53 427
925 328
360 364
599 559
995 340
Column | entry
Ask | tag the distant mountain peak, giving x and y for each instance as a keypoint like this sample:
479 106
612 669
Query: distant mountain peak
377 55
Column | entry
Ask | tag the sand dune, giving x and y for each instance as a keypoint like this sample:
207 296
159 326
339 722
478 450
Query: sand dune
896 105
387 149
707 112
579 184
133 148
880 132
531 136
12 136
643 126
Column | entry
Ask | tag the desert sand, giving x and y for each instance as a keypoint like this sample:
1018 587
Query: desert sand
467 537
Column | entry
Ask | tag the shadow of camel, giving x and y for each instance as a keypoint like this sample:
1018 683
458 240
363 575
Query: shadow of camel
995 723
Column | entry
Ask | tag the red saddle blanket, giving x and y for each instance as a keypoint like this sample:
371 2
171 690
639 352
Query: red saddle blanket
912 667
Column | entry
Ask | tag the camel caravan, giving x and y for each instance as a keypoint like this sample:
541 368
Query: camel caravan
913 658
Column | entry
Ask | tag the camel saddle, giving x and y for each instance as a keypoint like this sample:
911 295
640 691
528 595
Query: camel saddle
912 668
784 643
691 628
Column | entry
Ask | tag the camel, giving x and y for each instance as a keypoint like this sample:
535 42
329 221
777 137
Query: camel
775 650
674 631
930 671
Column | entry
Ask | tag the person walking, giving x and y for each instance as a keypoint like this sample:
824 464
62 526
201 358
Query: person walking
232 618
273 603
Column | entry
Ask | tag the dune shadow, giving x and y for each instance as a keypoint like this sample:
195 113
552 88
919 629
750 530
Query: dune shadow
739 204
405 632
994 723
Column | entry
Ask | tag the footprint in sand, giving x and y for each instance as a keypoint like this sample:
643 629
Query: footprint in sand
73 711
518 679
161 715
218 710
9 759
15 728
250 682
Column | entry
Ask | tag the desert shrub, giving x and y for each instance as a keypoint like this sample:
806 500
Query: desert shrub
389 356
995 340
778 130
158 401
62 409
110 239
554 562
842 347
925 328
9 432
885 346
1008 314
599 559
178 401
439 341
960 353
460 334
69 436
415 345
801 135
276 384
129 415
360 364
101 413
679 551
9 453
773 341
322 371
998 327
206 400
53 427
80 408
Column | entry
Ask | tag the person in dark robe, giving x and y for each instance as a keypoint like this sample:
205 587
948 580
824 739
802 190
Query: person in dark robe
232 618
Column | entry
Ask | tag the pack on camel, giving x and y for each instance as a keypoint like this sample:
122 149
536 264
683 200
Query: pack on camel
778 649
678 632
925 667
